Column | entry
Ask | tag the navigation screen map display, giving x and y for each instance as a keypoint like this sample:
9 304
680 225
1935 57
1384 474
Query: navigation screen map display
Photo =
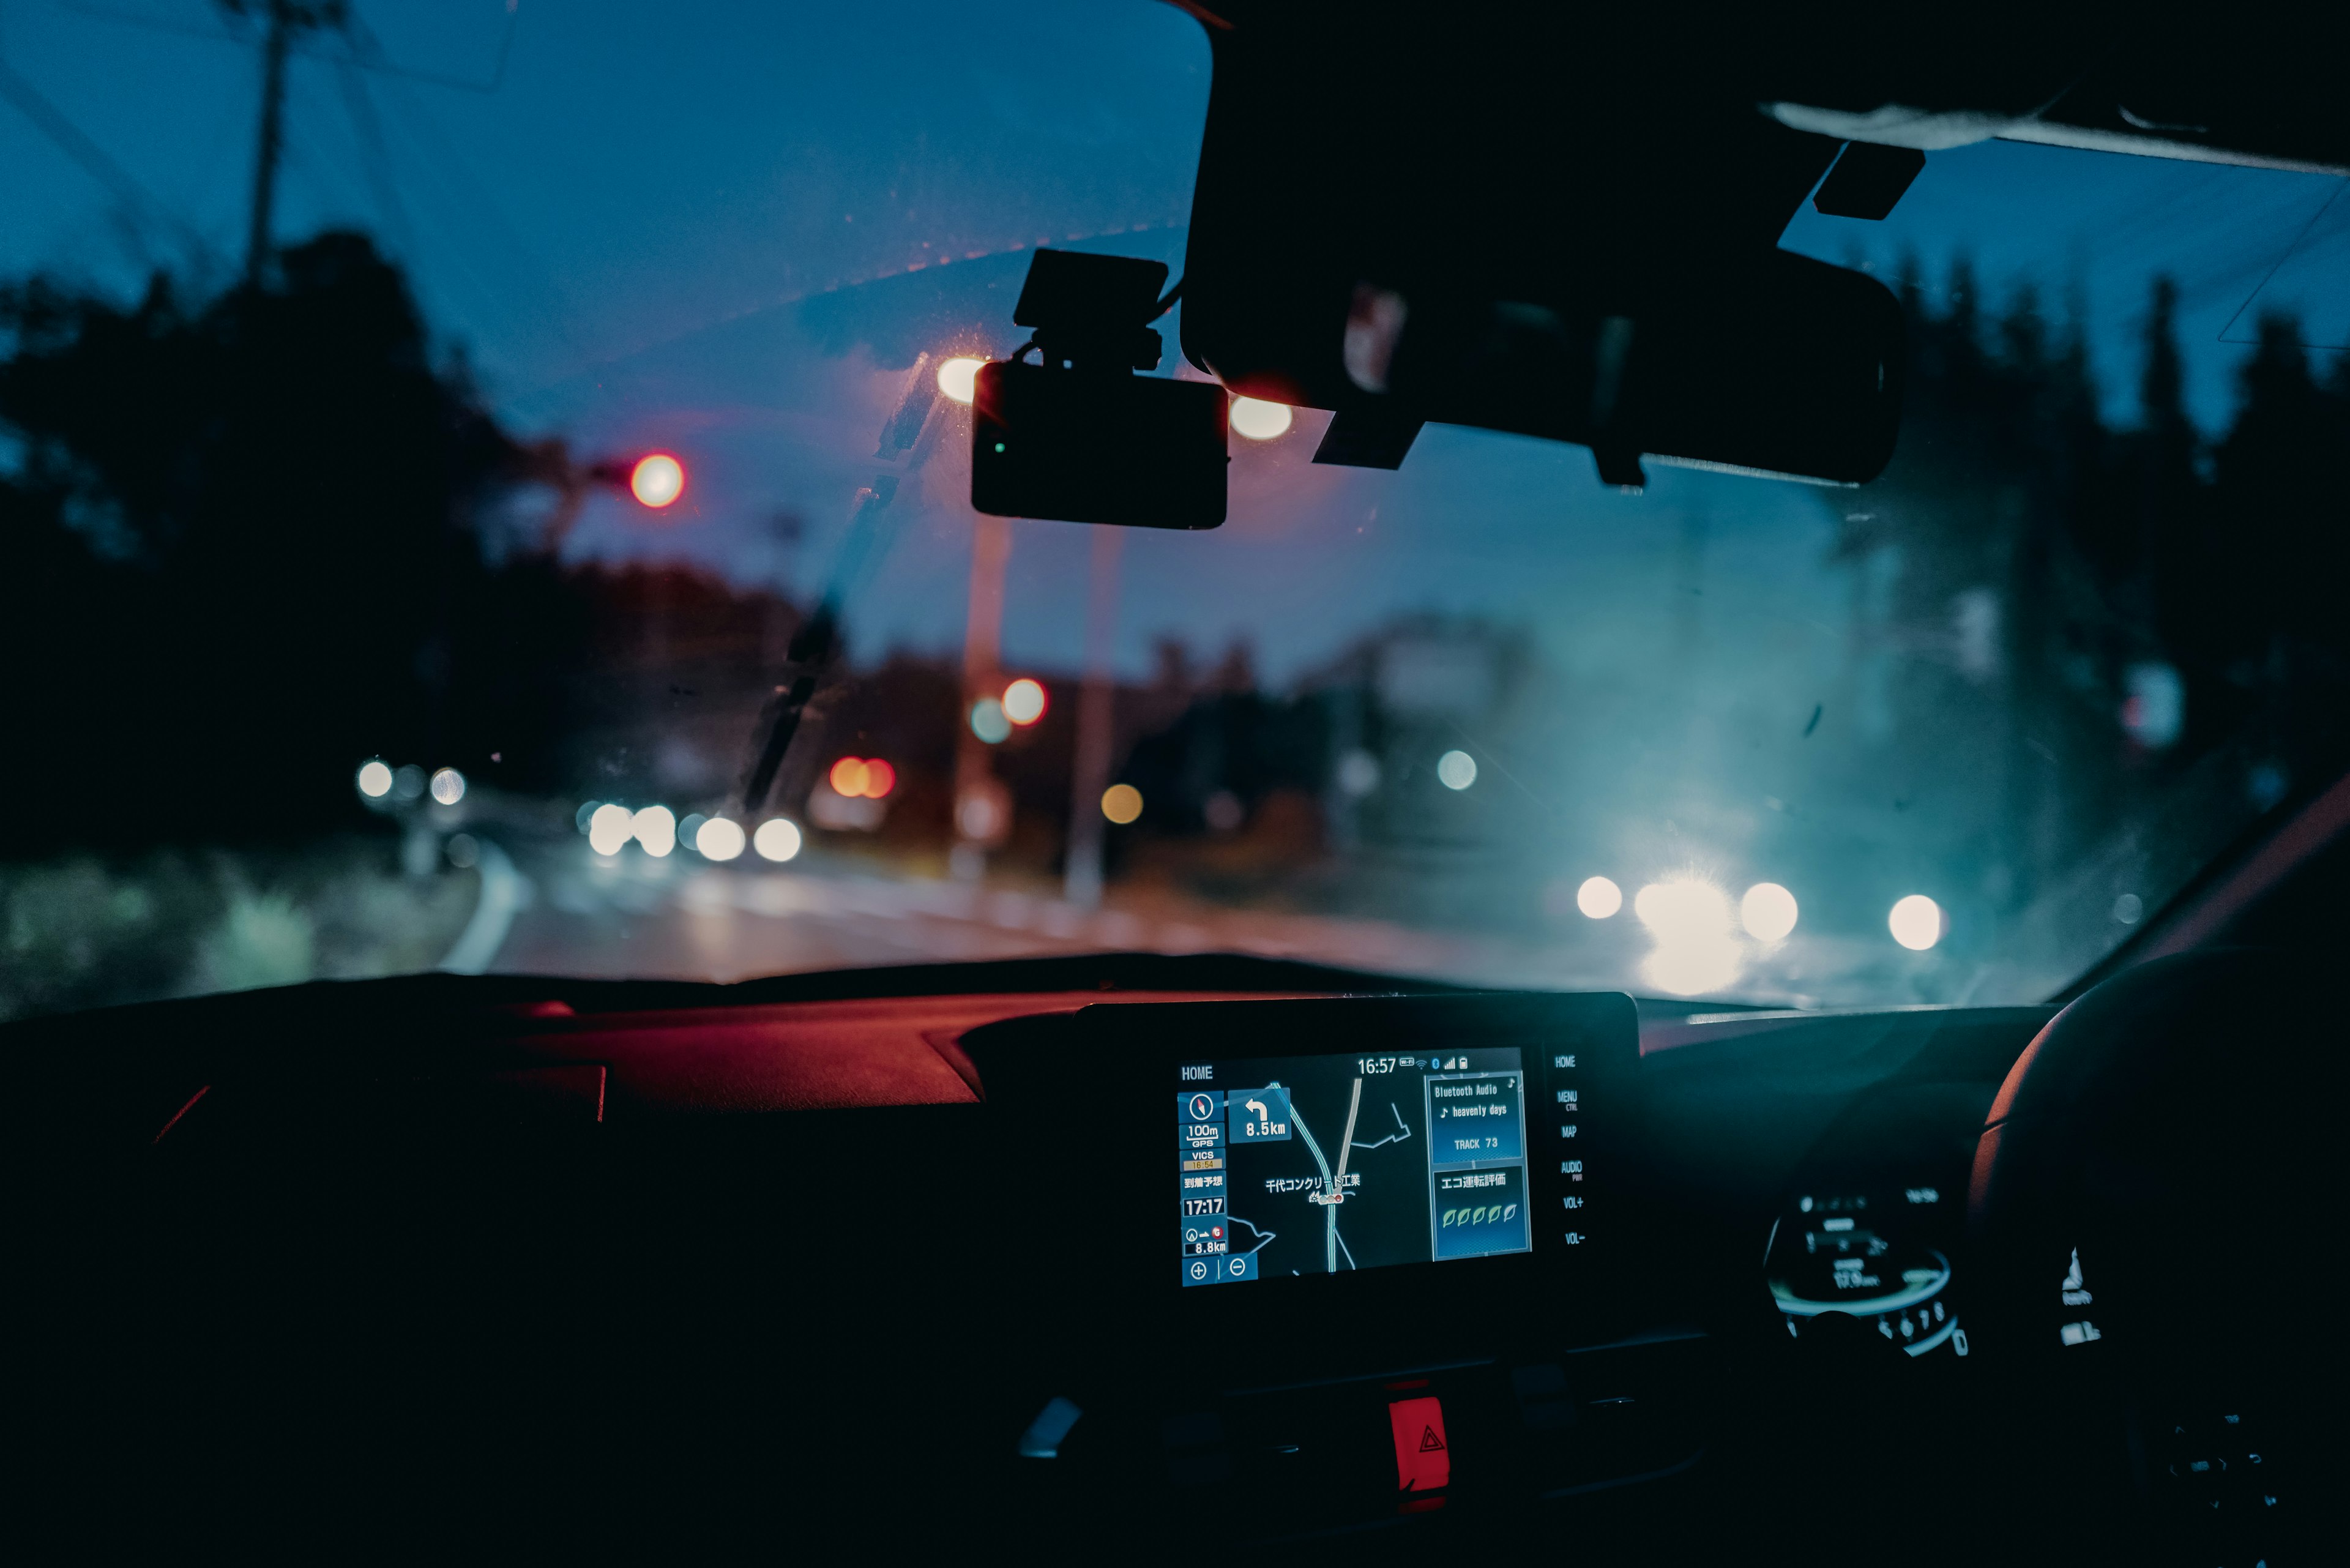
1310 1165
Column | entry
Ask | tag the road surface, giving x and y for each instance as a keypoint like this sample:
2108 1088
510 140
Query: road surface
553 906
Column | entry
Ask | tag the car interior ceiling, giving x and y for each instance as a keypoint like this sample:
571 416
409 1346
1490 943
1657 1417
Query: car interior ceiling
859 1262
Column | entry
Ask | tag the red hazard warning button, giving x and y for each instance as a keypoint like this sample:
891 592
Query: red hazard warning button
1423 1458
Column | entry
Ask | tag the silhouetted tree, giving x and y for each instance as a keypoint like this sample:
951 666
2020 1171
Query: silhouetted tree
2010 507
245 554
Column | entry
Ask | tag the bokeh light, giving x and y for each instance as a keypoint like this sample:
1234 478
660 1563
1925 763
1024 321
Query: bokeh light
979 816
375 780
447 786
987 720
1768 912
656 830
1024 701
719 839
1598 898
1121 802
1916 922
1223 812
868 776
1693 968
959 377
778 839
1260 420
1695 952
1456 770
1684 907
657 480
609 829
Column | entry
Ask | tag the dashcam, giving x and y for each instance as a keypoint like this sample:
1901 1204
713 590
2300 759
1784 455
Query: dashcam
1077 436
1083 447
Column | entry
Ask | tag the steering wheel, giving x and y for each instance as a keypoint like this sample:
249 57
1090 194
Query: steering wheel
2152 1203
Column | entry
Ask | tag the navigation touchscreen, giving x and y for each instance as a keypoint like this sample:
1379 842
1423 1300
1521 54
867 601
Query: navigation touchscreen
1309 1165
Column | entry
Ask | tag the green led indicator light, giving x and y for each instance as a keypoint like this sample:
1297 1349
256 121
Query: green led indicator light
999 446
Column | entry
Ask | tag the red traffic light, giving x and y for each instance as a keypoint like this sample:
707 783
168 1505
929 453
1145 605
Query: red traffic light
868 776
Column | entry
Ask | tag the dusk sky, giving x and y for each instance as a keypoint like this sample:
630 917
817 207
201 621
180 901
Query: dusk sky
727 230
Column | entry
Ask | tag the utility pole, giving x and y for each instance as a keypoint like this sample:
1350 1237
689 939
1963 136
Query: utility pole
286 19
982 809
1082 875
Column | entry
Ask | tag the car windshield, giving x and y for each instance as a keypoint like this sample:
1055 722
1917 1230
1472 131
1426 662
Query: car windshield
486 486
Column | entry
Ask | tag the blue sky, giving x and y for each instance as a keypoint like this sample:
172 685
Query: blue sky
724 229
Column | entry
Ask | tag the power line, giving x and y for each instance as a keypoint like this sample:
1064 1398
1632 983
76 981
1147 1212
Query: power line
230 35
288 25
486 216
2270 276
375 155
364 49
140 206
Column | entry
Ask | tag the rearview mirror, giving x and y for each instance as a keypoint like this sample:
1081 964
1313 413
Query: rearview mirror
1781 365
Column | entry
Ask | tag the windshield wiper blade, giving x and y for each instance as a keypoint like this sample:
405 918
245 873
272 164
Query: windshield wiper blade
815 645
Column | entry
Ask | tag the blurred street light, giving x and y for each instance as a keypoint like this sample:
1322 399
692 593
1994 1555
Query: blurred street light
1695 952
719 839
447 786
1260 420
778 839
1916 923
988 721
375 780
1024 701
979 815
1768 912
657 480
1456 770
959 377
1121 802
656 830
1598 898
609 829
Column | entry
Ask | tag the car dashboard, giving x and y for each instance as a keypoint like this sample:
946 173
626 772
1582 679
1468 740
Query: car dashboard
797 1264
